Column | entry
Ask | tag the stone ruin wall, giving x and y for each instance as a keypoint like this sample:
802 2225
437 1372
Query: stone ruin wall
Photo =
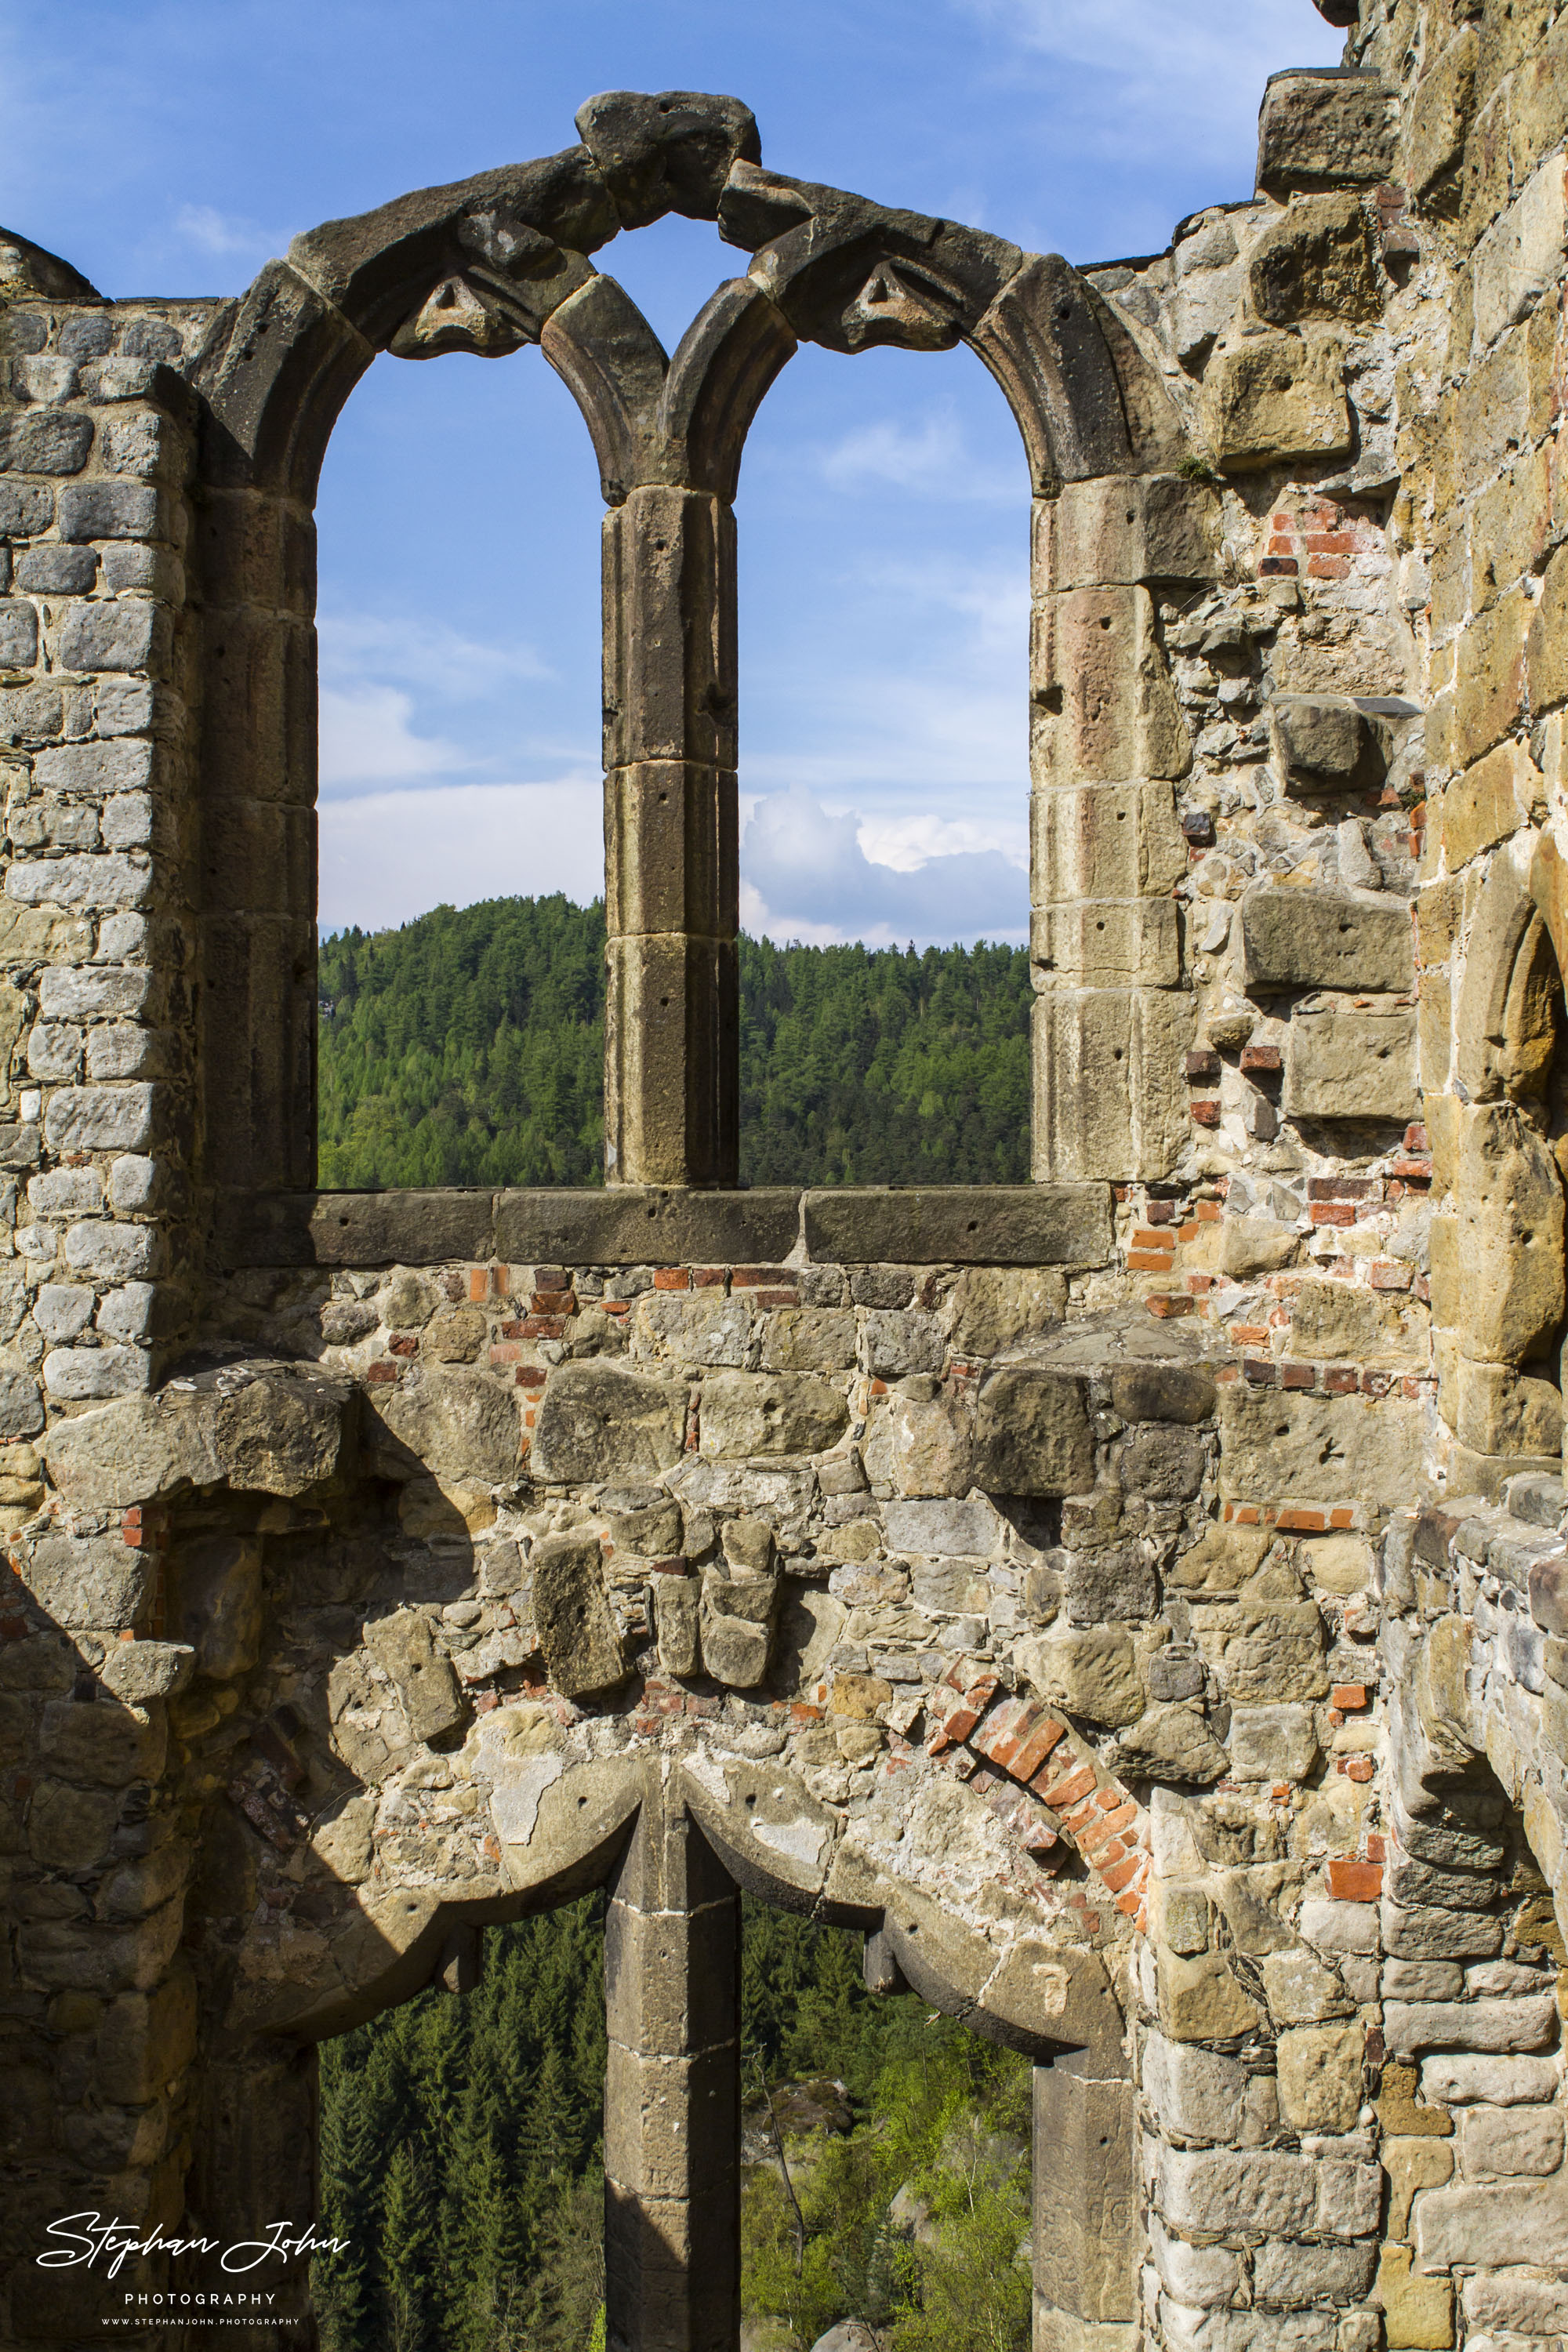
1139 1601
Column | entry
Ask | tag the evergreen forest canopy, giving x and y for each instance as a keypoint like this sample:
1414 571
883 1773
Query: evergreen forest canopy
462 2157
468 1048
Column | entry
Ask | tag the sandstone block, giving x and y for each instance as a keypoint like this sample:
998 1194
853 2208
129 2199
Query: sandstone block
1490 669
281 1436
1104 841
423 1676
1194 2092
1221 1561
1344 1063
1104 709
1033 1435
1529 2024
1093 1672
1482 806
1317 262
68 1828
1418 1932
1497 1410
1163 1392
1466 2079
583 1649
104 1743
74 1373
1273 393
138 1671
745 1414
1417 2310
1517 2301
1126 529
1288 2275
737 1620
1501 1283
1498 2143
218 1607
1109 1098
1319 2076
89 1581
675 1602
1332 1320
808 1339
1200 2000
1170 1744
1272 1743
942 1528
896 1341
1166 1465
1439 113
1325 128
1317 1449
597 1421
1254 1245
1301 1990
1264 1650
144 2038
1484 2225
921 1447
1313 938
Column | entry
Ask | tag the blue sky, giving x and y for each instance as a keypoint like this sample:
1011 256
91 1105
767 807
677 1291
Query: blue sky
171 147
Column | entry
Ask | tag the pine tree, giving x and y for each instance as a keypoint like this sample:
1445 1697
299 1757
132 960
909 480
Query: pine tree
406 2257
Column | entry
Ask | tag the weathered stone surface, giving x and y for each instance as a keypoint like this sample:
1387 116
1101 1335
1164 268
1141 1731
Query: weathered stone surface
1317 262
1272 1743
1195 2092
1466 2079
1026 1224
1032 1434
1319 2076
88 1580
1274 393
1319 1449
1483 2225
675 1602
278 1435
426 1683
1172 1744
138 1671
737 1622
750 1413
1479 2026
582 1650
599 1422
1348 1061
1323 128
1091 1674
1304 939
218 1608
1202 2001
1163 1392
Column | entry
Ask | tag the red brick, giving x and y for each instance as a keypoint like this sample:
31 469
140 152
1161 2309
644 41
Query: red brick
478 1282
540 1327
776 1299
1144 1238
1208 1212
1298 1376
709 1277
553 1302
1121 1872
1202 1063
1140 1261
1330 542
1250 1335
1278 567
1340 1380
1350 1881
1341 1516
1415 1139
552 1277
381 1375
1160 1213
1265 1060
1376 1847
404 1343
530 1376
1165 1306
1348 1696
1199 1284
1330 1213
1302 1520
1206 1113
1388 1274
1358 1768
1069 1792
1413 1169
507 1352
761 1277
1327 567
1344 1188
671 1278
1261 1370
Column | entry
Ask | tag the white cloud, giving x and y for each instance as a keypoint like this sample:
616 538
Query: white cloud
1145 75
387 856
447 664
805 876
221 234
367 736
905 843
928 457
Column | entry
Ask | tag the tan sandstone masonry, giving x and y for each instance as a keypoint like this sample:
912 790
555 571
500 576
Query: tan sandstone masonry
1133 1599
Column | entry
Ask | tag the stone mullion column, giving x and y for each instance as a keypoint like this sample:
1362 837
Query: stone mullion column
672 2095
1108 742
672 1011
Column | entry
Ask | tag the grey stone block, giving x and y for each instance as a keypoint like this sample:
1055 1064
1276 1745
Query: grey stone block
26 510
57 571
124 635
1026 1225
18 634
119 509
1033 1435
99 1118
1311 939
123 765
1345 1062
646 1225
45 441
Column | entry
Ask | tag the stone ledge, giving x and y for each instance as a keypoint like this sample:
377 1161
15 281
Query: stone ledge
984 1225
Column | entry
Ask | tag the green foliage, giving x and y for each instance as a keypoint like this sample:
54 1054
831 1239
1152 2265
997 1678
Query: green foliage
461 2157
468 1048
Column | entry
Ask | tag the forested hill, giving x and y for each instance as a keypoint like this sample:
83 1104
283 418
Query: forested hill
468 1048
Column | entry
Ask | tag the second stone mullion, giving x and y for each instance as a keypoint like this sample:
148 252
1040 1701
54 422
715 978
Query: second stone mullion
672 1010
